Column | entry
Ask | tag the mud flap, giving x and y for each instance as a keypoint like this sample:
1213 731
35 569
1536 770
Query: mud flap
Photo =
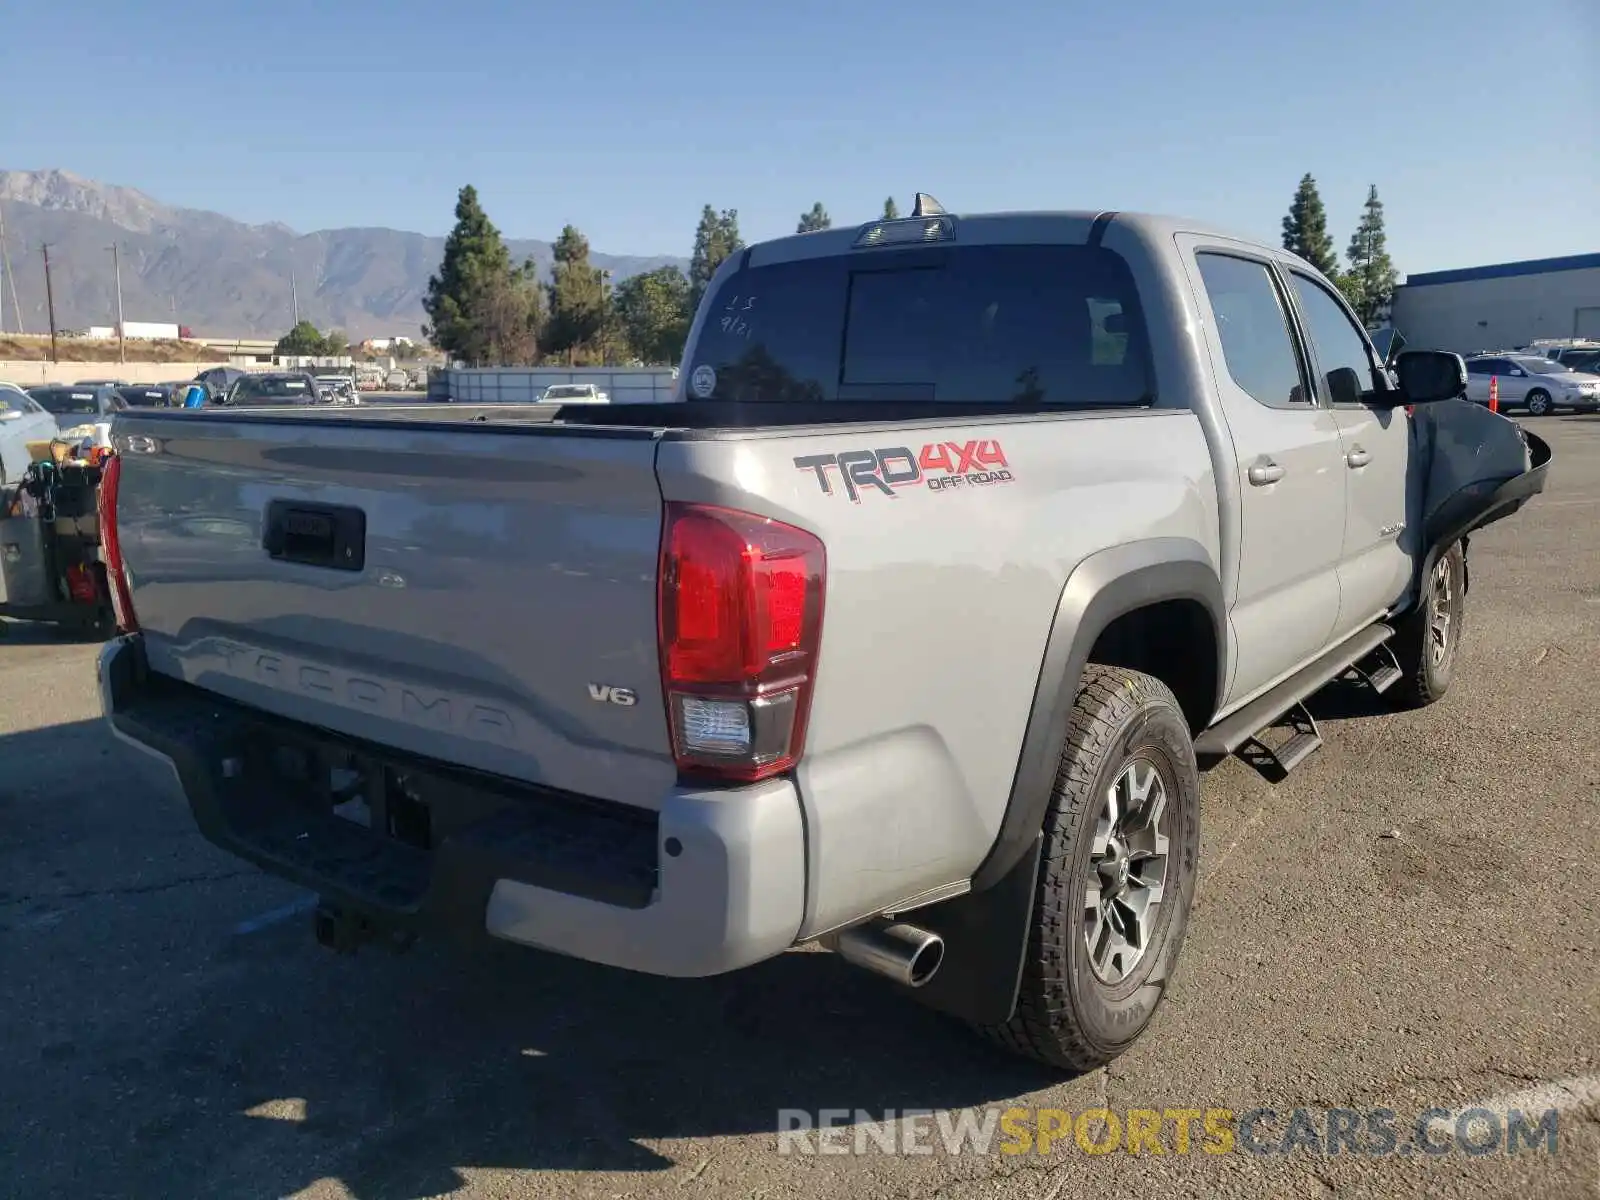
985 944
1475 468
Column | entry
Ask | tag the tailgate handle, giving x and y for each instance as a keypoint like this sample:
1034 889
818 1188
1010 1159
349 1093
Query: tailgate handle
318 535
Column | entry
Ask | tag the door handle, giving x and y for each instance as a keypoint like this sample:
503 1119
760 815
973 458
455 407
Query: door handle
1264 473
1357 458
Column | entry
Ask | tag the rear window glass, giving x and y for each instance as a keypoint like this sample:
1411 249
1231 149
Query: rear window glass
64 402
275 391
145 397
1050 326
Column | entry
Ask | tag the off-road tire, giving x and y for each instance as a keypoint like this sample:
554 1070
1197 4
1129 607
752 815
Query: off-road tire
1065 1016
1424 676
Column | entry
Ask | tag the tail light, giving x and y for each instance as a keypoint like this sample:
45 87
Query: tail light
739 620
111 546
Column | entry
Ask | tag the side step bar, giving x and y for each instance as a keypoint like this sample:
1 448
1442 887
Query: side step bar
1382 675
1301 744
1266 711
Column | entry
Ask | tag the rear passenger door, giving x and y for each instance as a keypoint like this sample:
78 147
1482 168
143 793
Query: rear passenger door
1479 371
1374 570
1291 480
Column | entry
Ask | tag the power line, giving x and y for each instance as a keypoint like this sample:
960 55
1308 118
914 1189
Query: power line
5 264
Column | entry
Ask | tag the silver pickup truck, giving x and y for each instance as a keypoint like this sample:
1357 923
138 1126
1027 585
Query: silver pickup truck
906 630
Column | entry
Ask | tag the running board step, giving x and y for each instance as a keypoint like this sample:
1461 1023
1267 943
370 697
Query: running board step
1384 673
1262 713
1305 741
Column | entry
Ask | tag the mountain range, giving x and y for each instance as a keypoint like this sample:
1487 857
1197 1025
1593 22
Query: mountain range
218 276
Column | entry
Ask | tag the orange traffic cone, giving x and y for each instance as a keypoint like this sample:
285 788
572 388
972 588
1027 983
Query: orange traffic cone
1494 393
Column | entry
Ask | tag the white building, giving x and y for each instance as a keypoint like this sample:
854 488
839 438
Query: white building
1500 307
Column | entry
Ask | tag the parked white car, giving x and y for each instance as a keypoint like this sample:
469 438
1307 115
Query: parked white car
574 393
1540 385
22 420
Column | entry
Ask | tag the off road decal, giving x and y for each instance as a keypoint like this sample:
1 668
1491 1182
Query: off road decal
938 466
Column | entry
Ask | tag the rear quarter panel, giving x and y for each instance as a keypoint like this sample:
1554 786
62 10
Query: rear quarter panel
938 604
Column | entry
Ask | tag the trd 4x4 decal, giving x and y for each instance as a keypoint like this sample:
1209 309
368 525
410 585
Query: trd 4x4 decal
939 466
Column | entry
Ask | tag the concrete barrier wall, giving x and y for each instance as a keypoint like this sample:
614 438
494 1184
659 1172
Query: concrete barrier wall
27 373
523 385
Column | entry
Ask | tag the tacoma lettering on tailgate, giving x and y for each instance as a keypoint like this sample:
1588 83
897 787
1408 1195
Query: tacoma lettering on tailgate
939 466
421 707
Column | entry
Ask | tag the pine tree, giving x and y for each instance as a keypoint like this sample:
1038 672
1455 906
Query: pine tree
578 299
715 238
480 308
1372 274
1305 229
814 220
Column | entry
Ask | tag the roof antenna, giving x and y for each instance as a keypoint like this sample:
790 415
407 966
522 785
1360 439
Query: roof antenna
927 206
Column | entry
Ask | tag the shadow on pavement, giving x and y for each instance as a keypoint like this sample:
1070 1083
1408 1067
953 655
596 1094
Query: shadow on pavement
1346 699
230 1063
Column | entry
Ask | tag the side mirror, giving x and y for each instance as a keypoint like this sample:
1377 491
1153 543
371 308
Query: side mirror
1427 376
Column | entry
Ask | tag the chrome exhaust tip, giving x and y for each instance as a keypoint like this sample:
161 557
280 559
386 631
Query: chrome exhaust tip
907 954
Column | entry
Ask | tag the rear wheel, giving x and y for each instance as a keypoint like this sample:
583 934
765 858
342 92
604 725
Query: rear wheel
1121 840
1428 637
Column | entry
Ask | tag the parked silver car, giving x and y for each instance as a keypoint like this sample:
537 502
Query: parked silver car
1540 385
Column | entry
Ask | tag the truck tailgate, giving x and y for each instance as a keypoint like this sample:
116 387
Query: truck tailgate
481 595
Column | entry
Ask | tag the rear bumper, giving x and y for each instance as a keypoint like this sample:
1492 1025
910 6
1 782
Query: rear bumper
713 881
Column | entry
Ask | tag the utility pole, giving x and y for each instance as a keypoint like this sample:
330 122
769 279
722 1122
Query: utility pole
116 265
50 300
294 298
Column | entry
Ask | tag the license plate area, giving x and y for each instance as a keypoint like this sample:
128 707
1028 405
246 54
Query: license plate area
386 798
316 535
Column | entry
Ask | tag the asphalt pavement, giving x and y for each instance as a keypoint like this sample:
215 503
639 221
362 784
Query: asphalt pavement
1408 923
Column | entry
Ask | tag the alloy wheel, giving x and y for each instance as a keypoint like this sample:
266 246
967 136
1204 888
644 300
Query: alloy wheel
1127 873
1439 620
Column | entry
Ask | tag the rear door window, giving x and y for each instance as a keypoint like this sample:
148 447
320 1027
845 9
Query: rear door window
1028 325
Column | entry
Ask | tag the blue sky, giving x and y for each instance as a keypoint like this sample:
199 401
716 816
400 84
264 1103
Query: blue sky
623 118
